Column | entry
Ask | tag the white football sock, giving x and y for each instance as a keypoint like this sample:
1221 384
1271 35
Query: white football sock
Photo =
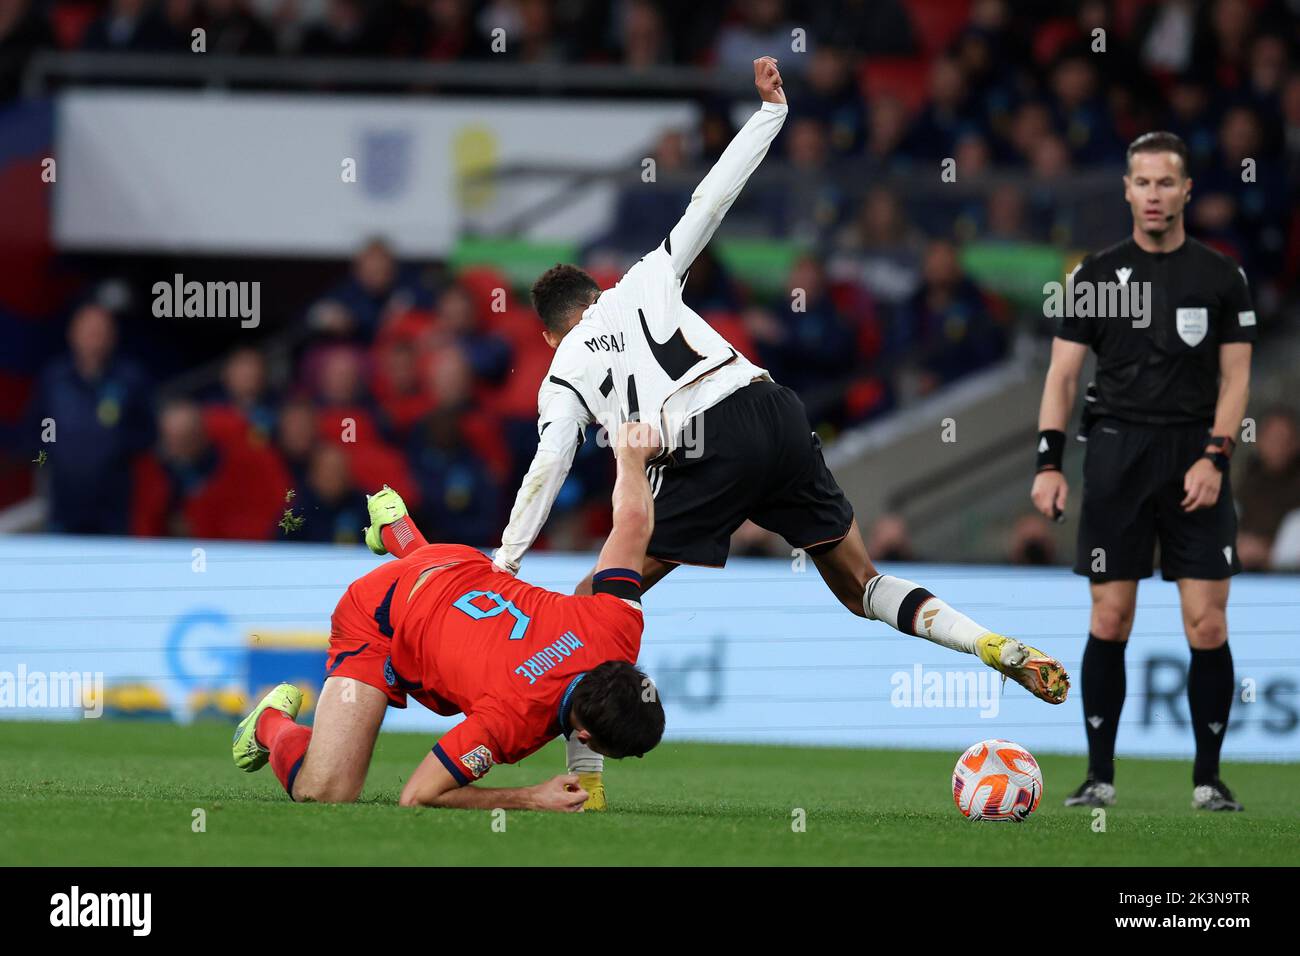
912 609
582 759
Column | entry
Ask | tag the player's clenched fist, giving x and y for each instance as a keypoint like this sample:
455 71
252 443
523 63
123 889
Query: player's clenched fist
560 794
637 442
768 80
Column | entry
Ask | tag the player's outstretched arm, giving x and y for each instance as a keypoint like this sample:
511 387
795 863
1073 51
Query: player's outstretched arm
719 189
433 786
634 506
563 419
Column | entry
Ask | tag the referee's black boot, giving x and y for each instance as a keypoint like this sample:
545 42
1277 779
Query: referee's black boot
1092 793
1214 796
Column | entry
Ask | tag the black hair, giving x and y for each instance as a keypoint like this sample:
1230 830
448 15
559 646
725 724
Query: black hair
620 707
558 291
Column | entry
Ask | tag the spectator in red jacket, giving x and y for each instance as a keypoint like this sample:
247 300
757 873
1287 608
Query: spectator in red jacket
193 487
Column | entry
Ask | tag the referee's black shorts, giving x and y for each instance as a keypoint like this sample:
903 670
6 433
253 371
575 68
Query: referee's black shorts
754 457
1132 494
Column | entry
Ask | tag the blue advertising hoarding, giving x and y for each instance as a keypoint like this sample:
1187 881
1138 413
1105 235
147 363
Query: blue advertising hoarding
759 652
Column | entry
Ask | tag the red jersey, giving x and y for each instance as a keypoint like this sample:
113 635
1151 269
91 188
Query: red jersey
507 654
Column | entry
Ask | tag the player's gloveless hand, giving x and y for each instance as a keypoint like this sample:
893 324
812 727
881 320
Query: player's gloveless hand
1049 493
768 80
1202 483
560 794
637 442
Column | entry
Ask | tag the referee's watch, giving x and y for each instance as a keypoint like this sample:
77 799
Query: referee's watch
1219 450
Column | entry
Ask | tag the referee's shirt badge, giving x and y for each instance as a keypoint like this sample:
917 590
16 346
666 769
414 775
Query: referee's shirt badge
1192 325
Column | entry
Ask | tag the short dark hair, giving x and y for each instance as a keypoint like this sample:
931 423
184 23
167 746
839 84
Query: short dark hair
620 707
558 291
1158 142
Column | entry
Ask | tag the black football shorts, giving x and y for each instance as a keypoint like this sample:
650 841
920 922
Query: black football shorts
1132 494
753 455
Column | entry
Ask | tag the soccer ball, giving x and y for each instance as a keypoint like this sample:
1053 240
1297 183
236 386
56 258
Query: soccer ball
997 780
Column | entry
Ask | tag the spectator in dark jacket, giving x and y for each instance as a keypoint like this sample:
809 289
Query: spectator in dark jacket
816 348
377 286
23 31
332 507
344 31
458 323
233 30
947 116
93 406
946 329
128 25
296 435
460 495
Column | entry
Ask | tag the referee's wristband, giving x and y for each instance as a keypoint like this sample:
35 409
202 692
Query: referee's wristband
1219 450
1222 443
1219 458
1051 449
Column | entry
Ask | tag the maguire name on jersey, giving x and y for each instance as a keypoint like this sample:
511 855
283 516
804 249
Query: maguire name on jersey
636 346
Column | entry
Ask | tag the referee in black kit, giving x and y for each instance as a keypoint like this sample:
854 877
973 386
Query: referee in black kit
1170 392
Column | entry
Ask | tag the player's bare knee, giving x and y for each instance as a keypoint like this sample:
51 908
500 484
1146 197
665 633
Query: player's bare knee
1208 631
1111 623
326 792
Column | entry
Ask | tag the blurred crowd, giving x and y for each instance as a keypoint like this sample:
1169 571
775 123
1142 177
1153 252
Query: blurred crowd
1039 90
1265 487
432 377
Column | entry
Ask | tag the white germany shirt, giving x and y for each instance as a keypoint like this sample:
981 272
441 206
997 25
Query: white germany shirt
639 352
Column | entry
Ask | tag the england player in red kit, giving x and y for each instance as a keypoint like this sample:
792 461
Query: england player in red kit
444 626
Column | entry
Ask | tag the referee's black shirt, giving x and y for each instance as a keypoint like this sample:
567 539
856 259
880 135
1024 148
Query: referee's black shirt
1168 372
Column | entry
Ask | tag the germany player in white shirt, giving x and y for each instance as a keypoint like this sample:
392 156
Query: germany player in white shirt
735 445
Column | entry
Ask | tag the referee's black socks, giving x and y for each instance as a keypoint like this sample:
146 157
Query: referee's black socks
1103 699
1210 687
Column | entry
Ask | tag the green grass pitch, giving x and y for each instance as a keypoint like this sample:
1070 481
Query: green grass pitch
122 793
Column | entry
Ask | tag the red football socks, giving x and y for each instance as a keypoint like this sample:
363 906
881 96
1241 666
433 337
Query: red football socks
287 742
402 537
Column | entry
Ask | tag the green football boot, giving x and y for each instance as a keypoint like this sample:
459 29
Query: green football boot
386 506
248 753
